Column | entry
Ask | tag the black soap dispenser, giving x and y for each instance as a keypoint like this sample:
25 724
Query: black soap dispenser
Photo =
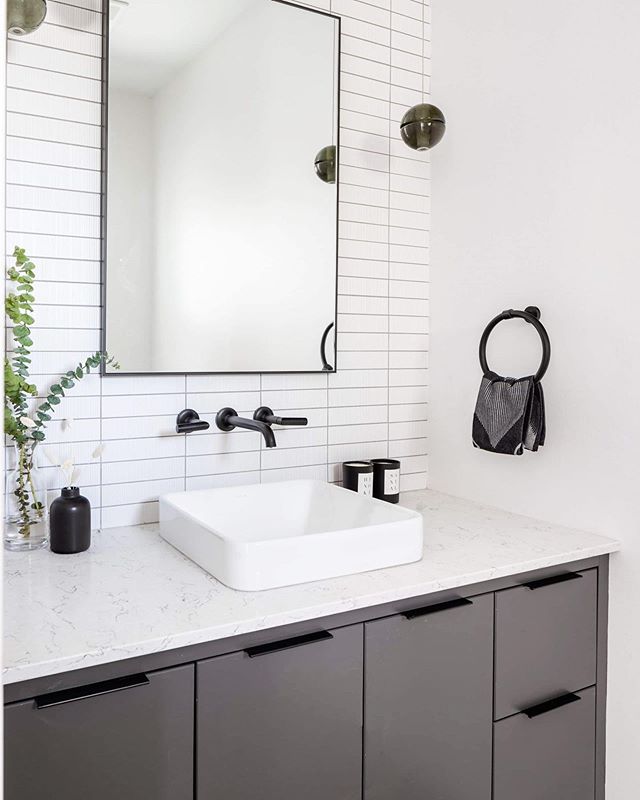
70 522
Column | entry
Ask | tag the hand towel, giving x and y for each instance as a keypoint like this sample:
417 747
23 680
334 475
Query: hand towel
509 415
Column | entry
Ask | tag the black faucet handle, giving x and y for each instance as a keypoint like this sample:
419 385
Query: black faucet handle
265 414
188 421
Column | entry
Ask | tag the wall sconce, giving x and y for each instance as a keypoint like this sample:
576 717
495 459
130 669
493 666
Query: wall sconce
25 16
325 164
422 127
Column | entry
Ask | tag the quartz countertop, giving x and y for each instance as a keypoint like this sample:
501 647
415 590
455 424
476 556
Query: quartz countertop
132 594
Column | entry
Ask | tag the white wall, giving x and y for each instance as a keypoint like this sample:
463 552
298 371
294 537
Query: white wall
536 202
374 406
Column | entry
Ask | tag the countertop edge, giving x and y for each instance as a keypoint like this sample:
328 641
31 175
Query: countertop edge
18 674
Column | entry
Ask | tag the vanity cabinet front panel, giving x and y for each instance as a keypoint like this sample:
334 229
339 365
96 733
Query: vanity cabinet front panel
284 721
546 640
548 756
428 704
127 739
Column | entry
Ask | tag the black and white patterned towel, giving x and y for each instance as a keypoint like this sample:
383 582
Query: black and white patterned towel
509 415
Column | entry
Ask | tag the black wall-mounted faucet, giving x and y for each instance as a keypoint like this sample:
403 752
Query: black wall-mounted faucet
263 418
227 419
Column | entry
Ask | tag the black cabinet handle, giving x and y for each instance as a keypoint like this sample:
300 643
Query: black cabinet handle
562 578
287 644
92 690
434 609
551 705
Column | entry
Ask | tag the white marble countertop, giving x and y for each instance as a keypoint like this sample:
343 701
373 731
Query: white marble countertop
132 594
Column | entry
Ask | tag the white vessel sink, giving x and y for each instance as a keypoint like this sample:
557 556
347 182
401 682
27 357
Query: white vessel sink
277 534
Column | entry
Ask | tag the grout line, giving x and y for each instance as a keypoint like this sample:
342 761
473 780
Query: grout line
50 71
22 42
55 94
52 141
51 118
49 164
261 442
389 275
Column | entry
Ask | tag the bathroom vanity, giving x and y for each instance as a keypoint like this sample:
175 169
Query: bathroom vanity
478 673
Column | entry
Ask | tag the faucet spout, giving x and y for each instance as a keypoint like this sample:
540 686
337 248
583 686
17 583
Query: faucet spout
227 419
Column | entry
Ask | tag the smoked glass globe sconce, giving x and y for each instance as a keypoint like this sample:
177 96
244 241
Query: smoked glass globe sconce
325 164
422 127
25 16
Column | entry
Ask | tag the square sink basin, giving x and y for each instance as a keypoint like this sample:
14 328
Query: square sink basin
267 535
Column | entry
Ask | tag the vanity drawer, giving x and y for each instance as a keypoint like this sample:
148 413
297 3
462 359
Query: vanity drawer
546 635
550 755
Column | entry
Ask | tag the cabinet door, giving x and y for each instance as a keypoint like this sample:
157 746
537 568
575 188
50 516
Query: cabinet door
428 704
128 739
549 755
282 722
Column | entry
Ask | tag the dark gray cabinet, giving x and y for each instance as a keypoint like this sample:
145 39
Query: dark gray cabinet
545 639
130 739
282 722
428 703
431 699
549 756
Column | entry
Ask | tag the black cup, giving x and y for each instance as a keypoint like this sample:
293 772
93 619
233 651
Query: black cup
358 477
386 479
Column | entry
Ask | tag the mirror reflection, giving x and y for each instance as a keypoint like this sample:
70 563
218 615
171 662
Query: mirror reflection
221 218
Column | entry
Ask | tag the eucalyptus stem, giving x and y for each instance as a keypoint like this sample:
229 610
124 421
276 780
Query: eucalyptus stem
30 508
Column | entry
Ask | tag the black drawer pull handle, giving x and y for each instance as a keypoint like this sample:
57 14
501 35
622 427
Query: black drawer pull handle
551 705
287 644
93 690
434 609
562 578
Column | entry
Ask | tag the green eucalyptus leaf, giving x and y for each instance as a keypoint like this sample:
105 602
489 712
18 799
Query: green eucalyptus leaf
38 436
56 389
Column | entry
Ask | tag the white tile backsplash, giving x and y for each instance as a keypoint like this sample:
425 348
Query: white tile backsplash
376 405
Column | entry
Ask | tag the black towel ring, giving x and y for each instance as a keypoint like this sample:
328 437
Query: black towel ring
531 314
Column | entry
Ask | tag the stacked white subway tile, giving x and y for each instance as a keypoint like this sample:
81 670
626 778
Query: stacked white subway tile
374 406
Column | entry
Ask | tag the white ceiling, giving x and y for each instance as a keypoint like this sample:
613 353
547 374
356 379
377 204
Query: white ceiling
150 39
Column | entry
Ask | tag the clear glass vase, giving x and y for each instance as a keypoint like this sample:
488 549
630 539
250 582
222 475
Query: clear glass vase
25 520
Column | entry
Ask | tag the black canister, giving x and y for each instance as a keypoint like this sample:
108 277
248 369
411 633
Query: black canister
70 522
358 477
386 479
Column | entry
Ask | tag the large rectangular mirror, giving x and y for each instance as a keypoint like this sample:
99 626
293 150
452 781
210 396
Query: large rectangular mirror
220 236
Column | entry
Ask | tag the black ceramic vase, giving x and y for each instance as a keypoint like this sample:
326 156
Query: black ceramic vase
70 522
